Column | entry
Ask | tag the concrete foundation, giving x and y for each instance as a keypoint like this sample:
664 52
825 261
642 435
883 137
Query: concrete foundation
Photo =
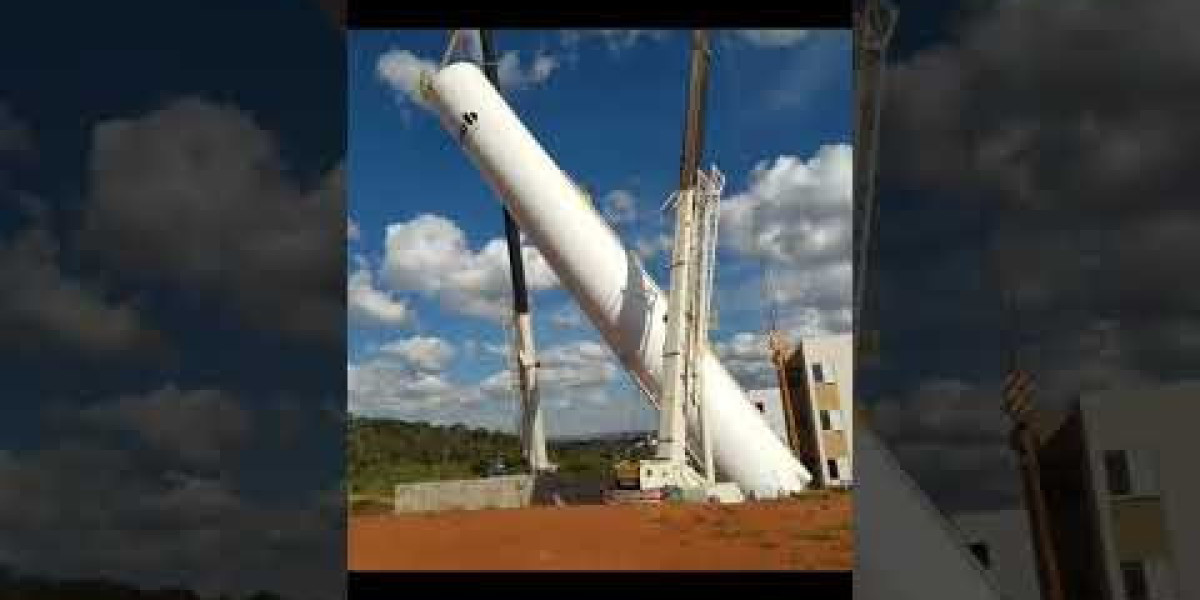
512 491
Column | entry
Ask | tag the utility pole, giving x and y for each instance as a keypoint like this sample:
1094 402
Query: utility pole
533 437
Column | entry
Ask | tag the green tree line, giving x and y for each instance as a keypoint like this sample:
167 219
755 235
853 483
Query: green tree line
382 453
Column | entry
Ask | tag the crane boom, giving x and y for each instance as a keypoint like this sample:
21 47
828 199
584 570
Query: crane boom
693 137
531 428
874 23
688 303
677 358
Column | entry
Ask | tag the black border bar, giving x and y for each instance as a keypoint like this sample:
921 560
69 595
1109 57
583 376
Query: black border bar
811 14
366 585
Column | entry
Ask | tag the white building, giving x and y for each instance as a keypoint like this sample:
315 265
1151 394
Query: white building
1120 480
820 373
829 372
907 549
1141 454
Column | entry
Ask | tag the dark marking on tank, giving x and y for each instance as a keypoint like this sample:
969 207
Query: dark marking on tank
469 120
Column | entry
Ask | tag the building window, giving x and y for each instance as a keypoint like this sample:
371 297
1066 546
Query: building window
980 550
1133 573
831 420
760 406
833 468
818 373
1131 472
1116 466
1143 472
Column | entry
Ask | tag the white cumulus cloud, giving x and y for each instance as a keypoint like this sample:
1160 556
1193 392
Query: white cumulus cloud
367 305
796 219
424 353
582 390
383 389
617 40
200 426
650 247
579 364
517 75
795 210
573 376
773 38
947 431
401 70
620 206
196 195
41 301
746 356
430 254
169 504
567 317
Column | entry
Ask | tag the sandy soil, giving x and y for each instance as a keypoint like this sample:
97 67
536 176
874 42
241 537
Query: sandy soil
808 533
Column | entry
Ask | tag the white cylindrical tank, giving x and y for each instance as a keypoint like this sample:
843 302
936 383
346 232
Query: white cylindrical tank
610 286
905 548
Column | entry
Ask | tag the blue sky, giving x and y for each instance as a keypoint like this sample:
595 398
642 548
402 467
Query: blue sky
608 107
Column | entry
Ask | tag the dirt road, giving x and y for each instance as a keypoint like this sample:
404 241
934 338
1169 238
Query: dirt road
809 533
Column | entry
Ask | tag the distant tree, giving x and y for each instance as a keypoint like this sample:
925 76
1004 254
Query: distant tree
382 453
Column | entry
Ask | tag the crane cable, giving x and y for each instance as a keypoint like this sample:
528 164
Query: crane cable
451 46
457 42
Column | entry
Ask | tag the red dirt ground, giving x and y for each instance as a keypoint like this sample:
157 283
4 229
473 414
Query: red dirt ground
803 534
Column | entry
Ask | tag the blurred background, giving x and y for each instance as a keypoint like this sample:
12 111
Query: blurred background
171 242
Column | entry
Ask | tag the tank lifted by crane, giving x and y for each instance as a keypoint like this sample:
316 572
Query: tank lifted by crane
616 294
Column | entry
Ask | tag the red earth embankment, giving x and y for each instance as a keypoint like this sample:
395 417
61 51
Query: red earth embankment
814 532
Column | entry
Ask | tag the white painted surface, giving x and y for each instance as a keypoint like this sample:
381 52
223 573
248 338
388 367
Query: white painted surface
904 548
726 493
655 473
613 291
1006 534
772 410
508 491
